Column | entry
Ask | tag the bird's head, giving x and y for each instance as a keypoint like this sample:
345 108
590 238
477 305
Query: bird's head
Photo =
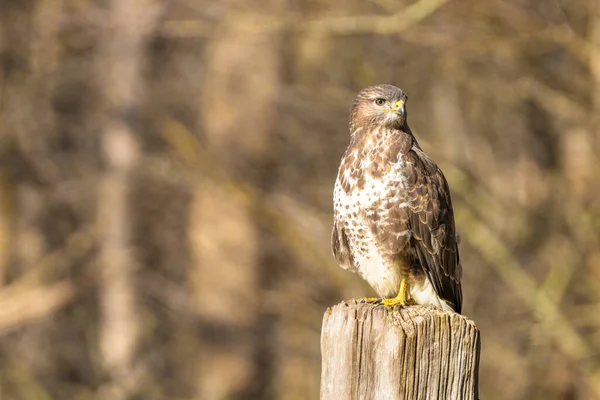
379 106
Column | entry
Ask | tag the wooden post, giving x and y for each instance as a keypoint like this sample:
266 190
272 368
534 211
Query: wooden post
417 352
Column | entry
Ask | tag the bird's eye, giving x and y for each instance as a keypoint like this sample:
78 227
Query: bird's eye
380 101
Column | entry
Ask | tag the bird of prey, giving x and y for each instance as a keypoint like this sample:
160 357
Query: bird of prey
393 217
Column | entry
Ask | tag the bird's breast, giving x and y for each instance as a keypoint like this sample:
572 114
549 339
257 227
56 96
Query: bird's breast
371 203
370 181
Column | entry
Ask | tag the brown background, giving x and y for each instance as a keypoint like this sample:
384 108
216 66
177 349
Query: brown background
166 176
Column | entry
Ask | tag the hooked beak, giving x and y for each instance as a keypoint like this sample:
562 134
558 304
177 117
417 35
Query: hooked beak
396 108
399 107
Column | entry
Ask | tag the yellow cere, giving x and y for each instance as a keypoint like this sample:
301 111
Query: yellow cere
399 104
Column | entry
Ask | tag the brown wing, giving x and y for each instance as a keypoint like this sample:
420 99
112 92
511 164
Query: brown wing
431 220
341 247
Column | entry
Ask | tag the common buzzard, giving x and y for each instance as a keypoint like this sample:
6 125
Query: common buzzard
393 217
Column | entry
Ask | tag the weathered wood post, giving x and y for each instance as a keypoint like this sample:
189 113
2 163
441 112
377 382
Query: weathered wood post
417 352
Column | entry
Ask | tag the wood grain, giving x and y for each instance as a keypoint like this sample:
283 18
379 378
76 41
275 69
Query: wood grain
418 352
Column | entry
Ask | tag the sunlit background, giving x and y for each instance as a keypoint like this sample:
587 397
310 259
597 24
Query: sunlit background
166 177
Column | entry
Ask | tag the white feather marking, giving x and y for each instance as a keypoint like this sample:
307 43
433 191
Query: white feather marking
426 294
402 233
384 279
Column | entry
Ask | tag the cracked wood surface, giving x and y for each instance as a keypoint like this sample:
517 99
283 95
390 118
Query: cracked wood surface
419 352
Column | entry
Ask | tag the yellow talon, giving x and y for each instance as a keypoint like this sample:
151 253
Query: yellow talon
403 299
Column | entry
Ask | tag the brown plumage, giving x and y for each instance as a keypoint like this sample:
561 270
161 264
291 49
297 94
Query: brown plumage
393 217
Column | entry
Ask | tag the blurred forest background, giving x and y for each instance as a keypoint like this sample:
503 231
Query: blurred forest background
166 177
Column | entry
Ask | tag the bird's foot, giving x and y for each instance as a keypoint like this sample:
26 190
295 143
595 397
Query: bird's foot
403 298
396 301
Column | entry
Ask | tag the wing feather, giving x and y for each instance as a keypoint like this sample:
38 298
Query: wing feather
431 220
